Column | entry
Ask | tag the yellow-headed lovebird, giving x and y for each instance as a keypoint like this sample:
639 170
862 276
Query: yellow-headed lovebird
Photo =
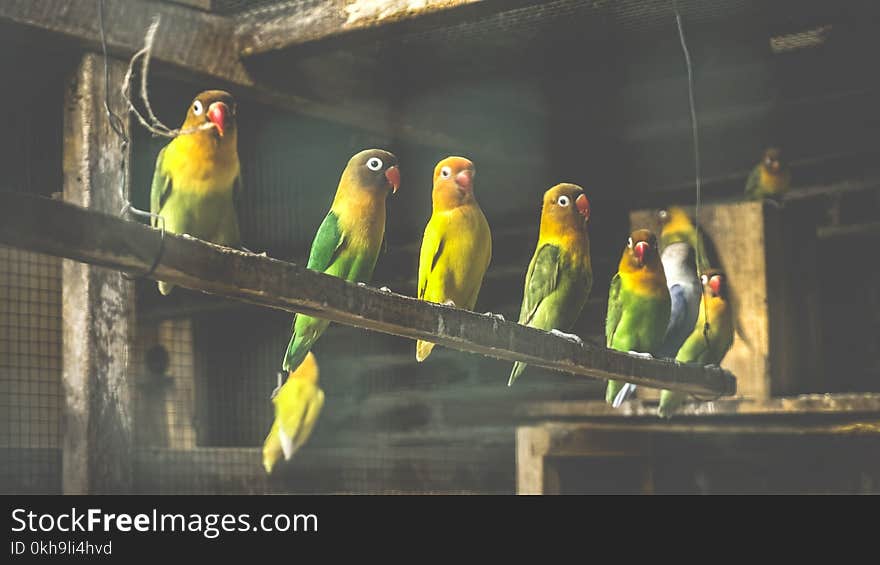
638 304
770 178
706 346
347 243
298 404
678 255
560 275
457 245
197 178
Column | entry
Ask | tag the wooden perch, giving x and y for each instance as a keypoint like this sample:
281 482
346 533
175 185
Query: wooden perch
53 227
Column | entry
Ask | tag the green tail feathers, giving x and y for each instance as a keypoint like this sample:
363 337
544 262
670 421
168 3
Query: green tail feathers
670 402
612 390
306 331
165 288
518 368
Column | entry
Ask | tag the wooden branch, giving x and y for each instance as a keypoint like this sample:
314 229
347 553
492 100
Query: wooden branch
56 228
289 25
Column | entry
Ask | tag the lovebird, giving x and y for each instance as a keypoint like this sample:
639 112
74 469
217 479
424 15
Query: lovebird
770 178
457 245
704 346
298 404
638 304
560 275
347 243
678 255
197 180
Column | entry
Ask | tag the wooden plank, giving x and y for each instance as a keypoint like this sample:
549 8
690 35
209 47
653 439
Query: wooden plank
60 229
97 304
287 25
805 405
193 46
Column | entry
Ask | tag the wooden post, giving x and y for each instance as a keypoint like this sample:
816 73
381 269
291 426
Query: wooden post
97 303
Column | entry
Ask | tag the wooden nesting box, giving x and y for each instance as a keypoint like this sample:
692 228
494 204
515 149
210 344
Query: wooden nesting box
769 254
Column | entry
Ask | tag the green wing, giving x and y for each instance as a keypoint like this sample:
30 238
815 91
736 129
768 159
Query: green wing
329 241
160 190
615 310
753 183
541 280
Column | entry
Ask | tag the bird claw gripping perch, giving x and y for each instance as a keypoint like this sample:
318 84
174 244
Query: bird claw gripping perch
449 303
568 337
385 289
640 355
498 317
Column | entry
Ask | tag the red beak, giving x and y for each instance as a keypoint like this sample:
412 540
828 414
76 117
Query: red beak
217 115
640 250
583 206
465 180
393 176
715 284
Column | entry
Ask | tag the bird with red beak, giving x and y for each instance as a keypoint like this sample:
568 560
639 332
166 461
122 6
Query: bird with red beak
197 180
457 245
638 304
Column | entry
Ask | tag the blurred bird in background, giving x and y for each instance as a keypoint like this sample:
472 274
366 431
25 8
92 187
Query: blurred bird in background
560 275
771 178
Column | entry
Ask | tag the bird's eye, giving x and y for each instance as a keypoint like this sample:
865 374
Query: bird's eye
198 108
705 279
663 214
446 172
629 242
563 201
374 164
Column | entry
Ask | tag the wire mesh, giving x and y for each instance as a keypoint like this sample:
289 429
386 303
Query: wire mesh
31 397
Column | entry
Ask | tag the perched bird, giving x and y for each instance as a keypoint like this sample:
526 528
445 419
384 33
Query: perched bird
347 243
560 275
197 180
457 244
298 404
770 178
678 255
638 303
706 345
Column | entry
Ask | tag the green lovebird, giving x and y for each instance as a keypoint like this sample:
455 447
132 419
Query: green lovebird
770 178
560 275
347 243
706 346
638 303
197 178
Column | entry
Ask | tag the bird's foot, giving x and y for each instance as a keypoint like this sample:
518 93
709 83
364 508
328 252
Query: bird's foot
362 284
496 316
449 303
385 289
640 355
574 338
278 386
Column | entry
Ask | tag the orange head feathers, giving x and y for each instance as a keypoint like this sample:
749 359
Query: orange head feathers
453 183
565 212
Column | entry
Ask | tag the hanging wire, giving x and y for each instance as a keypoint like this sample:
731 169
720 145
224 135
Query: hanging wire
698 176
117 124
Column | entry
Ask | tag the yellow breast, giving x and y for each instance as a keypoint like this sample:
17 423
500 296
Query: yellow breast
200 163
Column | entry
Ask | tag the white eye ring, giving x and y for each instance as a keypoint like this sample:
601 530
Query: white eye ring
374 163
198 108
446 172
563 201
629 242
705 279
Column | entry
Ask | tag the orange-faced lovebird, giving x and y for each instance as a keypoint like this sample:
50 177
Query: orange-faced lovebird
560 275
770 178
298 404
705 345
347 243
457 245
197 178
678 255
638 304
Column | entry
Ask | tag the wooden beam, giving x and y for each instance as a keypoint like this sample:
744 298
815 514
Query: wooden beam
287 25
60 229
97 304
193 46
